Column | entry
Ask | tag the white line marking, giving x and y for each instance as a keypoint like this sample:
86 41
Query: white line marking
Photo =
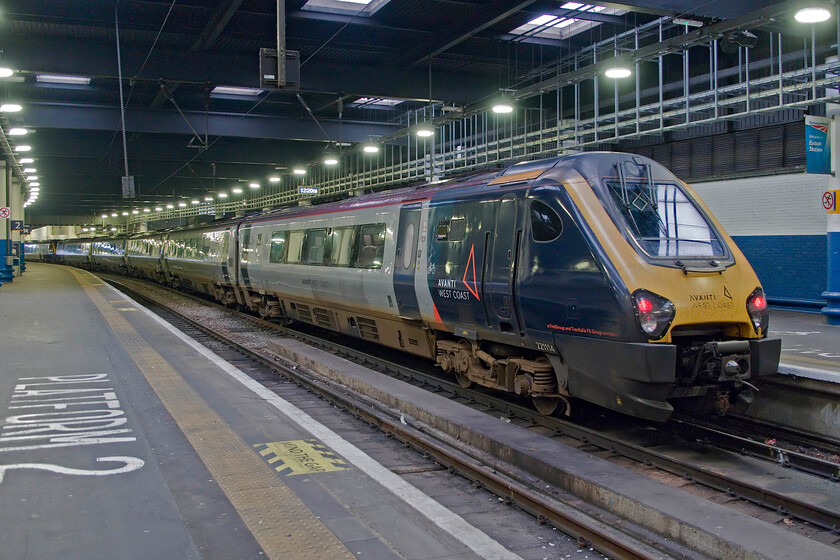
131 464
452 523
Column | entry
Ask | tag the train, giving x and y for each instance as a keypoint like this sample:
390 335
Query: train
597 277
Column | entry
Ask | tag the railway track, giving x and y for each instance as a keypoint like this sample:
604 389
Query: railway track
641 444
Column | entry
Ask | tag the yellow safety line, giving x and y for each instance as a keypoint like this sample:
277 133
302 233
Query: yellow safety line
797 357
283 526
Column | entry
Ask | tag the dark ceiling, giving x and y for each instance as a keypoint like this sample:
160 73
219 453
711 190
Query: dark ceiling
183 142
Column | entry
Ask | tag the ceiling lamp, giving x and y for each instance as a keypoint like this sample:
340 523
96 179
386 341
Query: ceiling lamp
35 184
135 212
30 170
146 210
23 148
114 215
125 213
222 195
182 205
170 206
253 185
371 148
6 72
330 159
208 199
104 215
502 108
62 79
10 108
195 201
31 177
18 132
617 72
274 179
158 208
812 15
299 171
236 190
425 132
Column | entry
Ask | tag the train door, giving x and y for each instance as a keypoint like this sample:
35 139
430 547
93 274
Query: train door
244 255
502 274
406 257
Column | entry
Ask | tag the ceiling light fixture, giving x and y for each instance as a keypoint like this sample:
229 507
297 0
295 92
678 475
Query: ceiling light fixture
18 132
158 209
10 108
6 72
146 210
62 79
299 171
170 206
27 160
617 72
222 195
371 148
274 179
233 90
425 132
195 201
35 184
114 215
208 199
23 148
254 185
135 212
30 170
236 190
182 205
812 15
125 213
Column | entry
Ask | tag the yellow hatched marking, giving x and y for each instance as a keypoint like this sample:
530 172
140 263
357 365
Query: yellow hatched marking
282 524
302 456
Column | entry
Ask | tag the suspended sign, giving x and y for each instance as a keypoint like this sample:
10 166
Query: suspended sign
817 146
308 190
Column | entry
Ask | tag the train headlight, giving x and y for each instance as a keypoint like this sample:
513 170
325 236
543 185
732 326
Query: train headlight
757 308
653 313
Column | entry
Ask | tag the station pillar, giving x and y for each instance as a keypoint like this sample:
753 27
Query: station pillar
6 270
832 291
16 206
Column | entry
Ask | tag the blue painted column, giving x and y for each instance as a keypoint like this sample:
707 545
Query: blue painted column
16 203
6 270
832 292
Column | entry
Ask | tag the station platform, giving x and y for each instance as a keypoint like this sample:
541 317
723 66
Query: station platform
810 347
122 438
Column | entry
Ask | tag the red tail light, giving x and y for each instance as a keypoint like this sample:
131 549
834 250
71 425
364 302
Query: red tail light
653 313
757 309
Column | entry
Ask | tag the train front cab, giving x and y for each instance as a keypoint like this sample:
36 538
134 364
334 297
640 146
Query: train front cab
658 305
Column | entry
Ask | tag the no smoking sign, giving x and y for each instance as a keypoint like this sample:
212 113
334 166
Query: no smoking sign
5 212
829 202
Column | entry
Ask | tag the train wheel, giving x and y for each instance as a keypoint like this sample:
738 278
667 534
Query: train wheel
463 380
546 406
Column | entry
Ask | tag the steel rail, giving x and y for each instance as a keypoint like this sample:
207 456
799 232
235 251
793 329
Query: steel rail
498 478
615 444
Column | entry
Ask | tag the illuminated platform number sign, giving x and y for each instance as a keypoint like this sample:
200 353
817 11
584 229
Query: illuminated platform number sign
308 190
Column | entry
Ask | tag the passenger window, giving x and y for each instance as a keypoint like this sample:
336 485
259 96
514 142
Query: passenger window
278 247
408 246
295 245
315 246
371 246
443 230
340 246
457 229
546 225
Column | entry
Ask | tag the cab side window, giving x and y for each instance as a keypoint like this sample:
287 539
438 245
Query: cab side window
546 225
278 247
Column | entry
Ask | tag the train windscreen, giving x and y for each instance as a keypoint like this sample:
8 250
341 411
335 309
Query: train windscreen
664 220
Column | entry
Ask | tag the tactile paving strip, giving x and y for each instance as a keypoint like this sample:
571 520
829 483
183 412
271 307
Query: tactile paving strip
280 522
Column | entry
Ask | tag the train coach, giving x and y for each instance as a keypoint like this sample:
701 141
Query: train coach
596 276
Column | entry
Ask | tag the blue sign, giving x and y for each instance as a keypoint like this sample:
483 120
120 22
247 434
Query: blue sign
17 225
817 146
308 190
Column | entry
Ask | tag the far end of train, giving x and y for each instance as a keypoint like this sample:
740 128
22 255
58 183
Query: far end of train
597 276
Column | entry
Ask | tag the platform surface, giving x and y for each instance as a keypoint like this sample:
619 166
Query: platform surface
810 346
120 439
